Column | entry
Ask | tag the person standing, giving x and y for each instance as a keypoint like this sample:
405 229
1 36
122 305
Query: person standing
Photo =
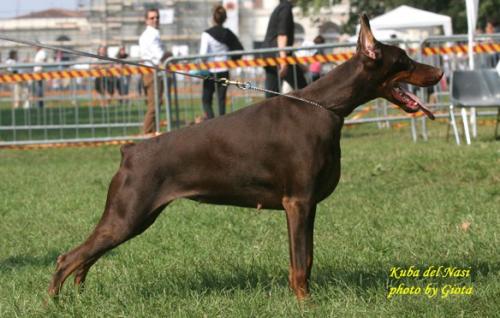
153 54
217 39
16 87
491 27
104 85
122 83
315 67
280 33
38 86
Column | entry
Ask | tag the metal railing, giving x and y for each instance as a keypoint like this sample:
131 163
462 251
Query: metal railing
450 63
69 108
185 106
73 111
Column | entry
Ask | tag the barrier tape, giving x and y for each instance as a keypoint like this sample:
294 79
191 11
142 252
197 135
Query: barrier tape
362 112
261 62
258 62
462 49
62 74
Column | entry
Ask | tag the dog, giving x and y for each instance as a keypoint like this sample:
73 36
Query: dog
280 154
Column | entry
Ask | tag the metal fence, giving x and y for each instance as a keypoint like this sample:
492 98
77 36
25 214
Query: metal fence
76 109
186 92
68 108
186 99
439 95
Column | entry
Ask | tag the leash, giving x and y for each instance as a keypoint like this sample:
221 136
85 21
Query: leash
221 81
247 86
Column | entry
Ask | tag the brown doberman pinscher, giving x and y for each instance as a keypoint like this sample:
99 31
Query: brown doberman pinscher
277 154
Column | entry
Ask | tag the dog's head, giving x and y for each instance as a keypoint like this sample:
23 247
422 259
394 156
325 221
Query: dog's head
389 67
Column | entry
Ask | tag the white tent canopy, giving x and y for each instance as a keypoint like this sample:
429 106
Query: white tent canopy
383 35
406 17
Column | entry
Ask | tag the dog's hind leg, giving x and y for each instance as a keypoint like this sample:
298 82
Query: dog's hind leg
125 216
81 272
300 220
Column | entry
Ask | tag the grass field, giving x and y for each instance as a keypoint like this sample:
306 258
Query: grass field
399 204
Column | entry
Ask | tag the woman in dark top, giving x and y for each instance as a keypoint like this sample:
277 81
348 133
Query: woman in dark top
280 33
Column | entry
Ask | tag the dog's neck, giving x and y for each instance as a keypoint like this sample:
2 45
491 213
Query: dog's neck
342 89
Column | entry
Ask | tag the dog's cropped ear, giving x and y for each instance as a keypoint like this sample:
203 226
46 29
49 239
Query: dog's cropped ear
367 44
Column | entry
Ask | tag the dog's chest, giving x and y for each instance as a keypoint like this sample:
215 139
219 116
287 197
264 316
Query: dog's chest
328 175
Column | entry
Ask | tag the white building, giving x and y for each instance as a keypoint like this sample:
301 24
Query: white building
55 27
120 23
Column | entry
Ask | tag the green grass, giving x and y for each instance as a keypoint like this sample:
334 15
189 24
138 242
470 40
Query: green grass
399 203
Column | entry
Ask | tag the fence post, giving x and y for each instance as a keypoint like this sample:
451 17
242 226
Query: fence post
157 104
168 96
414 129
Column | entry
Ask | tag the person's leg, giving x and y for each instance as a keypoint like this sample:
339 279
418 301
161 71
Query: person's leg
149 117
272 80
110 88
25 94
295 77
208 91
221 93
39 93
126 85
110 81
119 85
16 92
140 86
100 89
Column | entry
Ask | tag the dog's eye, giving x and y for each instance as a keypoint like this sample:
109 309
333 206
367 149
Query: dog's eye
402 61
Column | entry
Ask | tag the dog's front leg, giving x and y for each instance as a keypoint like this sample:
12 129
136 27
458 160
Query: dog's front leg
300 220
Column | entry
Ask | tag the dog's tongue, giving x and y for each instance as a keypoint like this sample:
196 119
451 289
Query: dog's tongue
421 105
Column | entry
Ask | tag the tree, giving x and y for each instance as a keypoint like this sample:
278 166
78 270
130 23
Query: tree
371 8
488 10
309 6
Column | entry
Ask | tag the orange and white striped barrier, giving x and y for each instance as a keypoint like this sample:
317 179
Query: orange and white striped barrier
261 62
242 63
462 49
62 74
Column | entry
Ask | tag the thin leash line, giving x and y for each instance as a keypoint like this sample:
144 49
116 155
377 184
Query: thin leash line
248 86
260 89
221 81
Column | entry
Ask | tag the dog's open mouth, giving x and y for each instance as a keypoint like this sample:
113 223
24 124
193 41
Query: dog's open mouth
410 102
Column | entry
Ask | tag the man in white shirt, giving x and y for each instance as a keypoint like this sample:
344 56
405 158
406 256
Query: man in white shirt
153 54
40 57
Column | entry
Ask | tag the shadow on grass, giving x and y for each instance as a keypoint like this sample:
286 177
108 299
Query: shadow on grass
212 281
17 261
234 277
257 279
